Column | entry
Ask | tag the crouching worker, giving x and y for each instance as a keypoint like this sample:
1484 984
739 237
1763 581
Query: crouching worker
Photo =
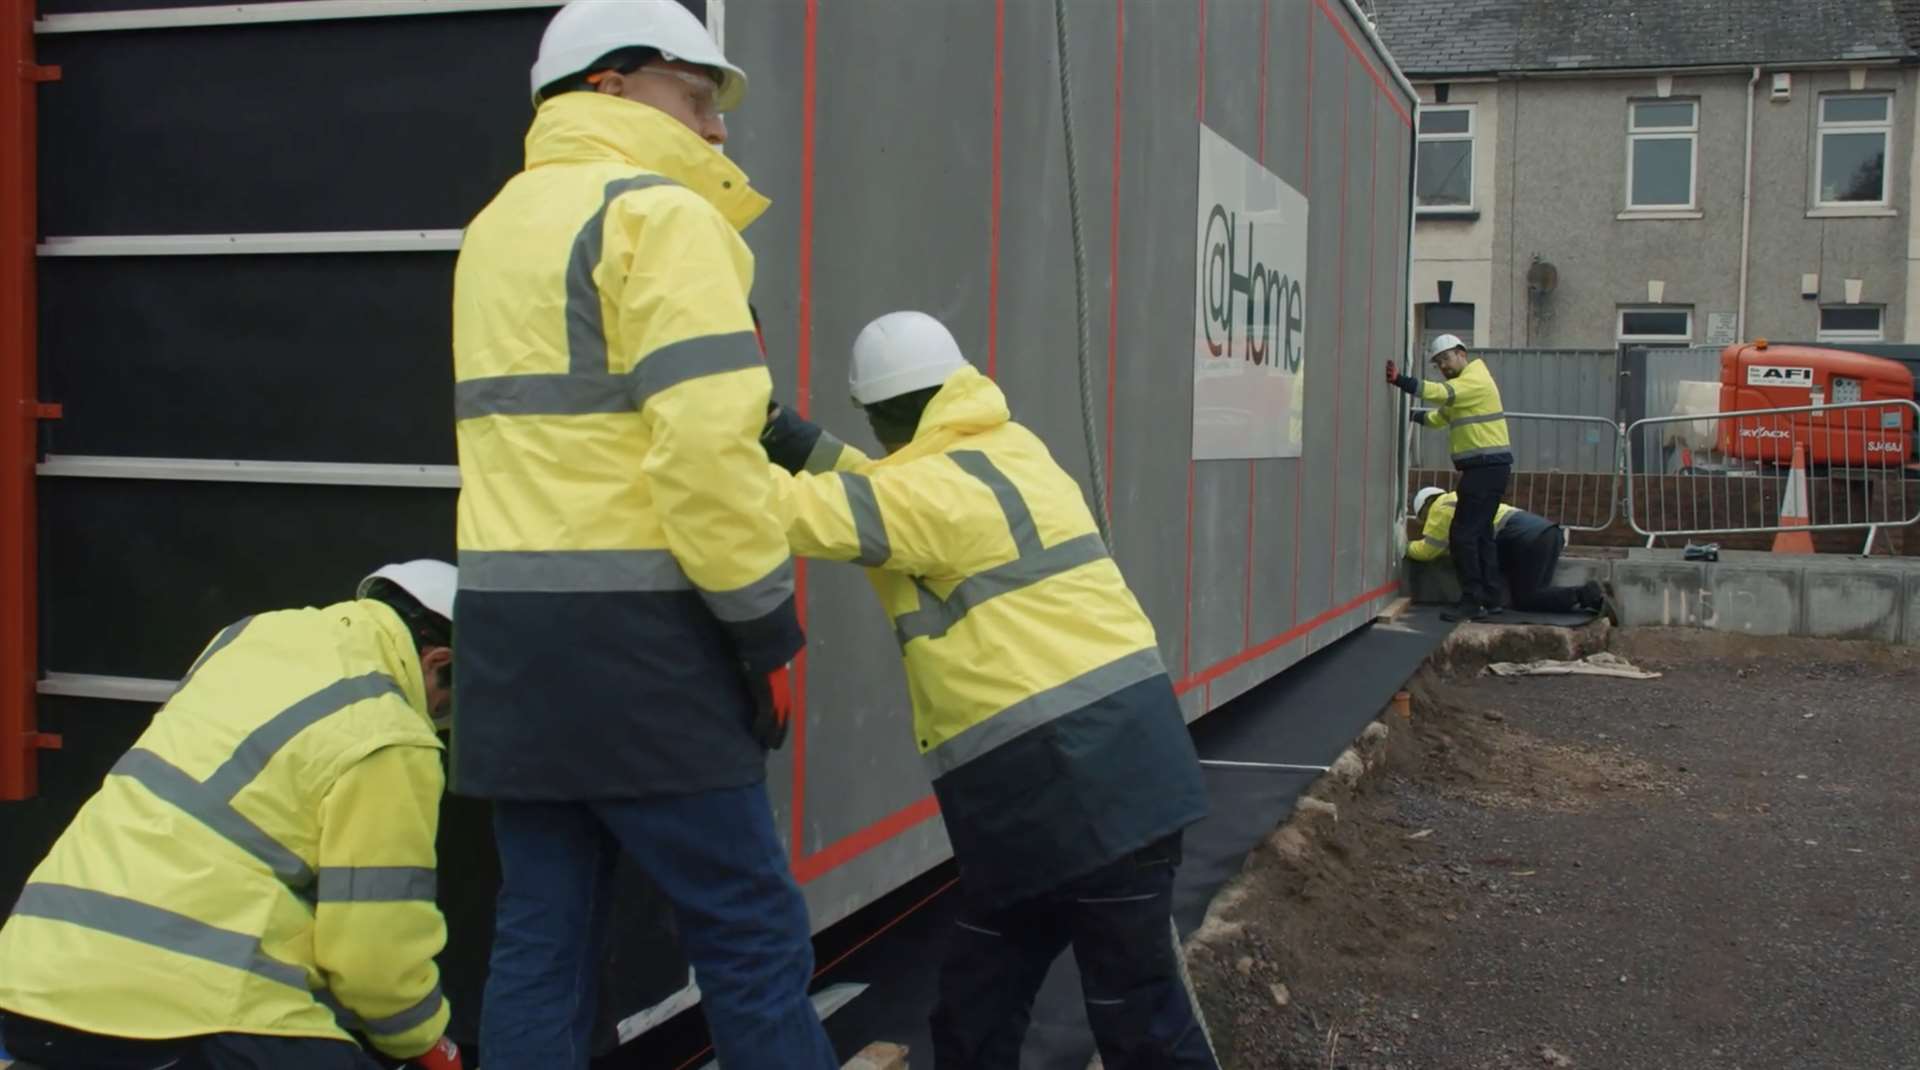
1041 707
1528 547
253 884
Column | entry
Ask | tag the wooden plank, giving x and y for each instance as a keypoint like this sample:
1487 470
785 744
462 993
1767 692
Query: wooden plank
879 1056
1394 609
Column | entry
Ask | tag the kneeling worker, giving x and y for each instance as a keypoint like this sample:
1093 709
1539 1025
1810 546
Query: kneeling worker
1042 710
255 878
1529 550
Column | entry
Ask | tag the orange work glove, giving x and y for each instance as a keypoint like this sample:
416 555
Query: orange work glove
444 1055
773 706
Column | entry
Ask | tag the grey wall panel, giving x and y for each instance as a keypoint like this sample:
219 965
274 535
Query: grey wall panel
1325 292
901 181
1390 327
1278 484
1153 418
1231 68
1350 390
1035 344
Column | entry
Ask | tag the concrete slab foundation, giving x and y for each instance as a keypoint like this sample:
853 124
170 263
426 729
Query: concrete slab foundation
1824 596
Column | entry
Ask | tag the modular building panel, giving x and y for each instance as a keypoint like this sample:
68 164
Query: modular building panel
914 154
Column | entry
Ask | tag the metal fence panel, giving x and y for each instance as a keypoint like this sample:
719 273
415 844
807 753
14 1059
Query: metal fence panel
1839 466
1572 382
1580 491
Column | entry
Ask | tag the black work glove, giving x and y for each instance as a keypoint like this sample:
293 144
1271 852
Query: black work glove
788 439
1418 416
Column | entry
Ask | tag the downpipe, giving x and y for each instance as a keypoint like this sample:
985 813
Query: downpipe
1746 215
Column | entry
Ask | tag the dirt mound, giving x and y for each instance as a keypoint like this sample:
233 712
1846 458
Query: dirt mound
1339 905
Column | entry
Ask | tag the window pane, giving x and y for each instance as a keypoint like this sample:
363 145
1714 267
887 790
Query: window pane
1853 167
1453 319
1655 324
1647 116
1854 109
1444 122
1662 172
1444 173
1850 318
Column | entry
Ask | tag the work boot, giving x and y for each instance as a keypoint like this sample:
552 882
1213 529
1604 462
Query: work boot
1464 610
1609 605
1591 596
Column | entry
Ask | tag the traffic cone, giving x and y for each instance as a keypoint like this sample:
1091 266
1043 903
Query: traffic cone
1793 509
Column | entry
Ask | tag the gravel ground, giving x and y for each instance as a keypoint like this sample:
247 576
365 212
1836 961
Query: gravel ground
1712 869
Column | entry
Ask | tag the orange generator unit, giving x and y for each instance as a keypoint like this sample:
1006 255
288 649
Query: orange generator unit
1758 377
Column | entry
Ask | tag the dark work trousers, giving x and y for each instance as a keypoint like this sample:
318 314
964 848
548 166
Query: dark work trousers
1119 922
1528 563
1470 542
53 1047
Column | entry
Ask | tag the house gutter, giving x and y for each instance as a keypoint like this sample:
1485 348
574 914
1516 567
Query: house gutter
1461 77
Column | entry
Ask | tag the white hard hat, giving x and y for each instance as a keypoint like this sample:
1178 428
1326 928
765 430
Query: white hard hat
586 30
431 583
1424 495
899 353
1443 343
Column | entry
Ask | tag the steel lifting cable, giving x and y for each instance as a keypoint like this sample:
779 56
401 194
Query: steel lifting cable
1095 467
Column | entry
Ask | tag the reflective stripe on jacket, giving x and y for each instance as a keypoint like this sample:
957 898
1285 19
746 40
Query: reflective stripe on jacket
1040 704
1434 535
1468 406
618 562
261 860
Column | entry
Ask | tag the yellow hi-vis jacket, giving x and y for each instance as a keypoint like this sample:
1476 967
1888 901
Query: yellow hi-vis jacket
1435 533
1469 408
619 563
262 860
1040 704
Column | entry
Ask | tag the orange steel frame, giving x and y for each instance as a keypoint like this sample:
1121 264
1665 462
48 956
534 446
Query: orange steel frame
20 737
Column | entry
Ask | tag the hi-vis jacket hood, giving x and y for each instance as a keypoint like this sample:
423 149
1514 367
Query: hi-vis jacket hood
619 565
262 859
1040 703
593 128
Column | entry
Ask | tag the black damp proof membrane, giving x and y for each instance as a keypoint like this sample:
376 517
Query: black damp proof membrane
338 357
283 126
1307 716
136 576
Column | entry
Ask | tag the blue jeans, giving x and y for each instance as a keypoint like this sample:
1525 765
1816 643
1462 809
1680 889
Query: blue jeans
743 926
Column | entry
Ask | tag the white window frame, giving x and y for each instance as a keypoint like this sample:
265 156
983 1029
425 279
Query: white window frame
1822 128
1620 325
1690 134
1473 177
1879 334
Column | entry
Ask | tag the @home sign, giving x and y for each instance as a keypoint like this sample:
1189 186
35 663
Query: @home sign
1250 314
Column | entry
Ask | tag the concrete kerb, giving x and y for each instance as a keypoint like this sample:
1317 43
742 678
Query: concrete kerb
1817 596
1862 604
1910 611
1758 599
